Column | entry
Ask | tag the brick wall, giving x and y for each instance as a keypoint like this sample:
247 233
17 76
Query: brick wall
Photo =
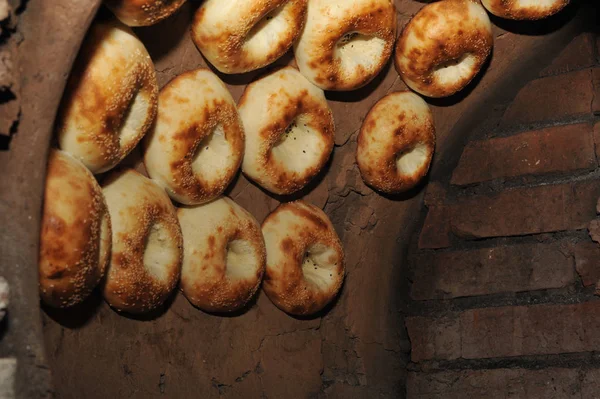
504 273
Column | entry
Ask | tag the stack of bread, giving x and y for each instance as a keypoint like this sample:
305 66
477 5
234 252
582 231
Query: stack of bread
139 235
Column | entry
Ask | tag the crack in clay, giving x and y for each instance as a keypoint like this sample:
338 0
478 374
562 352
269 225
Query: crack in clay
347 139
165 70
392 85
220 386
263 339
243 376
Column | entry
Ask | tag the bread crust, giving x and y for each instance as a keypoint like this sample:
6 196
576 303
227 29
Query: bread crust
140 209
179 154
294 284
143 12
320 53
75 239
110 100
246 35
211 279
284 110
397 124
443 47
512 9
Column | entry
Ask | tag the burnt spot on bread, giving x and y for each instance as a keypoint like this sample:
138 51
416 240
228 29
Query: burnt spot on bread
288 105
307 213
111 71
184 139
285 283
232 212
369 18
130 286
226 45
435 30
287 246
381 145
70 262
217 290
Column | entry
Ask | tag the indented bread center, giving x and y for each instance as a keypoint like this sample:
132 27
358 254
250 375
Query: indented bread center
357 51
410 161
319 265
300 147
134 118
455 71
160 252
241 260
267 32
213 155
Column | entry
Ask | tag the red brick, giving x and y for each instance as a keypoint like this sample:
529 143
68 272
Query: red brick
552 98
591 384
556 149
507 332
434 338
594 230
522 211
487 271
578 54
436 229
435 194
556 383
587 262
596 84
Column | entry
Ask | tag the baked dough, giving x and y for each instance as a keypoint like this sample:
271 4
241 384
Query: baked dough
110 100
244 35
196 146
147 244
289 131
75 238
305 260
346 43
224 255
443 47
524 9
396 143
143 12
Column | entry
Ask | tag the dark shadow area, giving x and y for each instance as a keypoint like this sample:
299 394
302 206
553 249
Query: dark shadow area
5 142
242 79
363 92
164 37
103 14
6 96
407 195
540 27
4 324
76 316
